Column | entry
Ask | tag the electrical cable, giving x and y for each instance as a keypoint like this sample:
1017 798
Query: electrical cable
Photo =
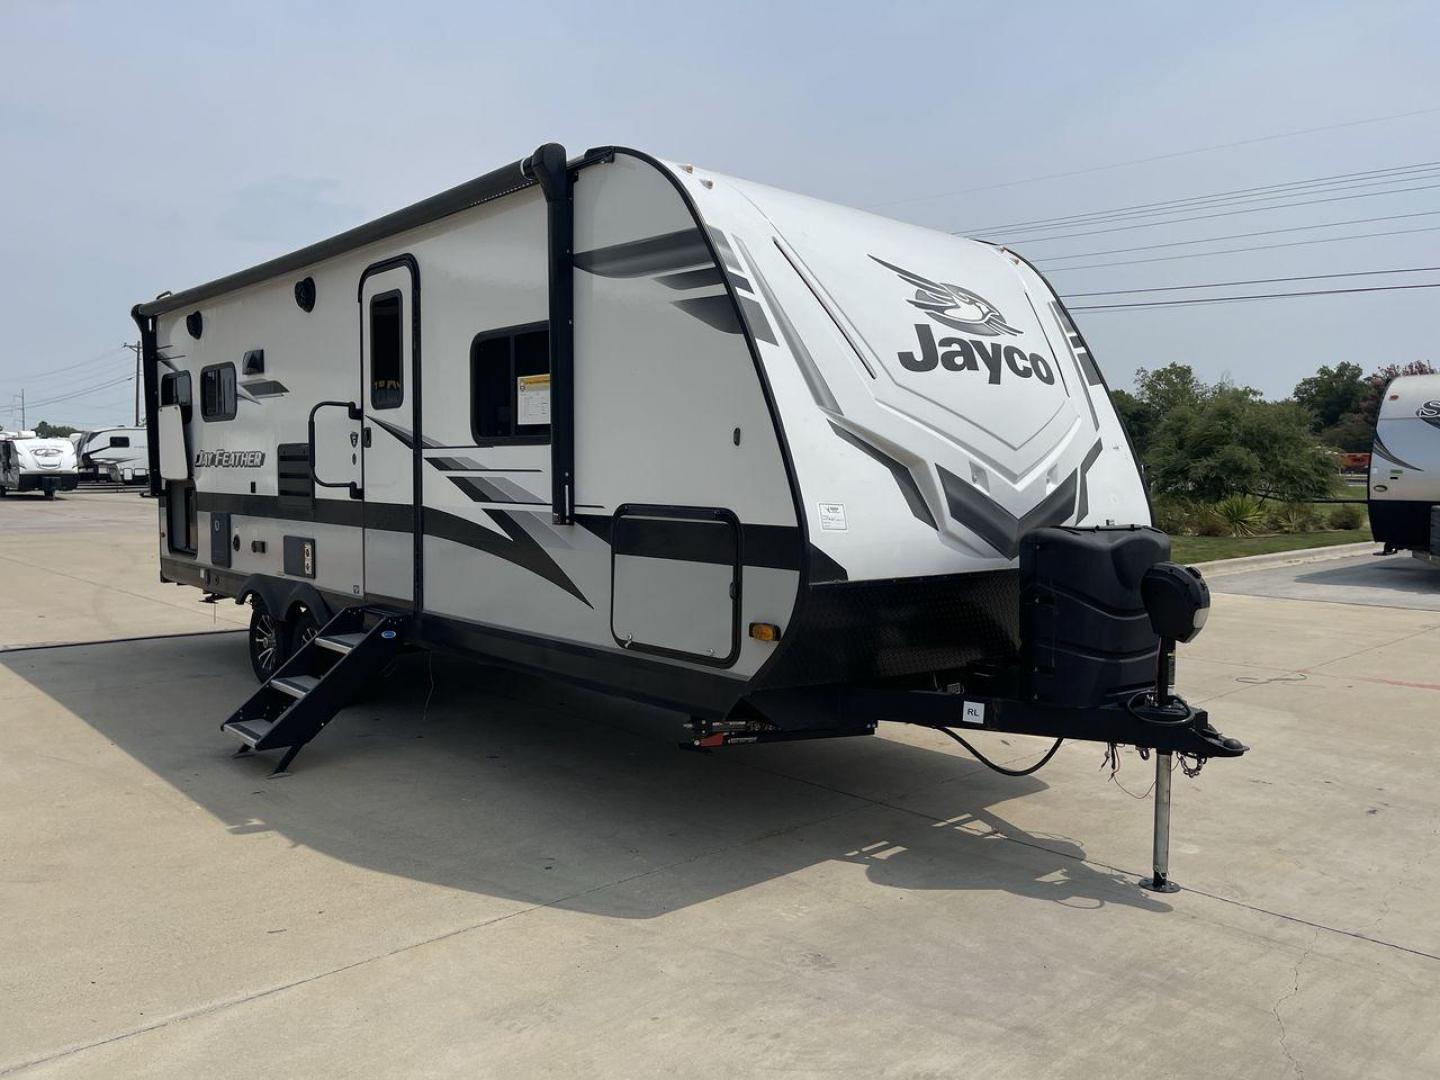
1227 213
68 367
1256 281
1001 768
1252 296
1162 157
1233 251
1391 175
79 393
1180 721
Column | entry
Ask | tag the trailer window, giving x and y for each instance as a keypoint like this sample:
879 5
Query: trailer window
217 392
175 390
510 384
120 440
387 352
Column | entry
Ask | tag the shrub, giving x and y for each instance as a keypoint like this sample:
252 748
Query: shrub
1242 515
1295 517
1208 522
1347 516
1175 516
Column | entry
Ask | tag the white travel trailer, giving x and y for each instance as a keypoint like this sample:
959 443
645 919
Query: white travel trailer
119 454
30 463
688 439
1404 491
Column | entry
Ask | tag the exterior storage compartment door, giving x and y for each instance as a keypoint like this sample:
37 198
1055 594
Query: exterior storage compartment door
676 582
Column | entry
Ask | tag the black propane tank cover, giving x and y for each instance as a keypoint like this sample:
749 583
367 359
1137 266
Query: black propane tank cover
1084 629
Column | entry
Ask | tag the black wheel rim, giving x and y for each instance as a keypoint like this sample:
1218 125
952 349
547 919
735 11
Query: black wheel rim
306 631
265 642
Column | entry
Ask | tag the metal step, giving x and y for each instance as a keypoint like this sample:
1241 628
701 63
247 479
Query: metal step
249 732
297 686
340 643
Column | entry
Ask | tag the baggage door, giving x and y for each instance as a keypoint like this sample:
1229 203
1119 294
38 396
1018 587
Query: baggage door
390 401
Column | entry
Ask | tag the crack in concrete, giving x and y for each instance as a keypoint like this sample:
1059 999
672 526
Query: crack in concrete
1283 998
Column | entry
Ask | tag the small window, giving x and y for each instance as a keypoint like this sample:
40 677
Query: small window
510 384
217 392
387 352
120 440
175 390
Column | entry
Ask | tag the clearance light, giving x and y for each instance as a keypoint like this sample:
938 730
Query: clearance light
764 631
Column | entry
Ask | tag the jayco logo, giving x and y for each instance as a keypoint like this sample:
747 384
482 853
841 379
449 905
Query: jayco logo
961 309
1430 412
229 459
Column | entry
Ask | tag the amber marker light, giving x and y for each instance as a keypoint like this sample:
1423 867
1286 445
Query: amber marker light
764 631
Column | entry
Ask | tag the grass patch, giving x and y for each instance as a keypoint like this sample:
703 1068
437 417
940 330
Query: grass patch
1193 549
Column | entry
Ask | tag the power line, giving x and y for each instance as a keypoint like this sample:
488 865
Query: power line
80 393
1159 157
1246 235
1254 296
1257 281
1234 251
1387 175
27 379
1230 213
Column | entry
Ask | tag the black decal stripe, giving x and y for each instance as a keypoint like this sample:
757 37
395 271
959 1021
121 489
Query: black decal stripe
653 255
773 547
714 311
994 524
517 546
325 511
671 538
809 370
692 279
1385 452
1091 456
903 477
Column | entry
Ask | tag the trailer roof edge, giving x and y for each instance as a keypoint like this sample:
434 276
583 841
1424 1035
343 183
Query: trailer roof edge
502 181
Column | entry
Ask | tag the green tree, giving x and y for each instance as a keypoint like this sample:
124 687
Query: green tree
1369 408
53 431
1332 393
1169 387
1230 442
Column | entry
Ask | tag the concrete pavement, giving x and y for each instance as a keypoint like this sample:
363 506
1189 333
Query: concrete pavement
502 877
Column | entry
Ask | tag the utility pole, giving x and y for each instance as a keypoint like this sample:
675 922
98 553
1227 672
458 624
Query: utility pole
22 408
136 349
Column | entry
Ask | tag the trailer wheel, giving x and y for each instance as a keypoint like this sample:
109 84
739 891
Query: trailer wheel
266 640
303 626
49 492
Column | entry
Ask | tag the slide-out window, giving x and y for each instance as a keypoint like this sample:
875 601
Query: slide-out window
387 351
217 392
120 440
175 390
510 384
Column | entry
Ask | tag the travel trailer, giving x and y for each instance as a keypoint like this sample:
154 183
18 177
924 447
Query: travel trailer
1404 491
787 468
30 463
119 455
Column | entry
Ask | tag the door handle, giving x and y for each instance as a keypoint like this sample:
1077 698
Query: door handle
365 439
354 412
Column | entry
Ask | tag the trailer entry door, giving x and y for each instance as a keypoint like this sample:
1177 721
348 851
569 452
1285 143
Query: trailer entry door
390 400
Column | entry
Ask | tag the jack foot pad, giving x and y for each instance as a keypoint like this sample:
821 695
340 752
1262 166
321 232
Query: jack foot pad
1162 885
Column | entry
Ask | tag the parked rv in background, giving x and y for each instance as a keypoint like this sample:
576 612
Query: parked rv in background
1404 488
30 463
119 455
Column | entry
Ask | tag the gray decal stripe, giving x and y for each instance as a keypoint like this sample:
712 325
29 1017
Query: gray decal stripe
401 434
809 370
264 388
756 320
1091 456
1076 344
1384 451
455 464
517 546
903 477
727 254
494 489
692 279
714 311
994 524
653 255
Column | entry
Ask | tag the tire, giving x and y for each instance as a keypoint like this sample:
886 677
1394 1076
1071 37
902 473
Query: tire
49 493
303 626
266 640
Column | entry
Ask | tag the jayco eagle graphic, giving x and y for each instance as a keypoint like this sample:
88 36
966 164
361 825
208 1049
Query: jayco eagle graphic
1430 412
952 306
961 309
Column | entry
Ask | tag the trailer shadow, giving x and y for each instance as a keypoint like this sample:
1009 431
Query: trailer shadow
1397 573
498 783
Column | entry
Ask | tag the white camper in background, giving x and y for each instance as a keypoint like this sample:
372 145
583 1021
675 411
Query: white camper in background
1404 492
30 463
119 455
762 459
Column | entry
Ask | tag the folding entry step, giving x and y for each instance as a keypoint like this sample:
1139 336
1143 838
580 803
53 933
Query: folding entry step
323 676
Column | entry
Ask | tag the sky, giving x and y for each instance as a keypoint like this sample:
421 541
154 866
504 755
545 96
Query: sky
151 146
